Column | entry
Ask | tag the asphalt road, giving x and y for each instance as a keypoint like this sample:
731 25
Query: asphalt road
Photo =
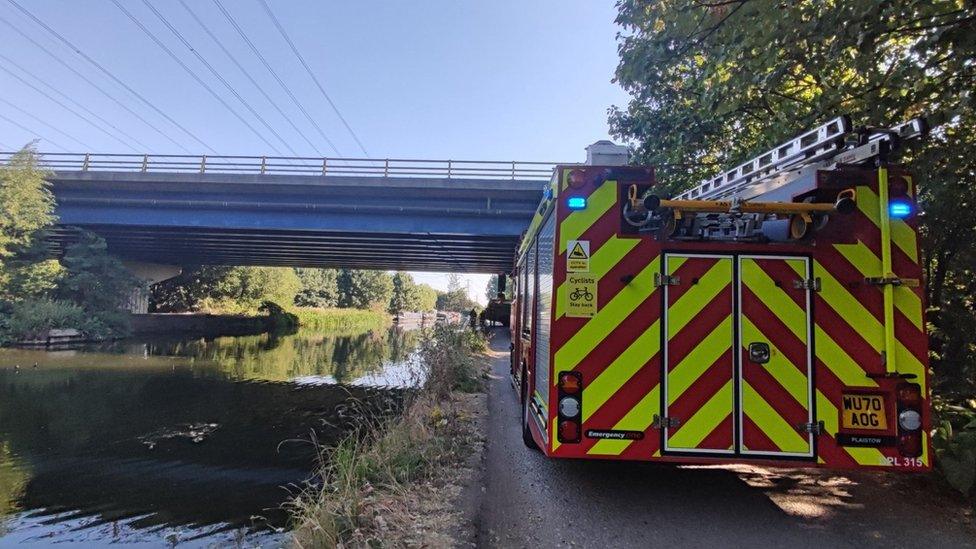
532 501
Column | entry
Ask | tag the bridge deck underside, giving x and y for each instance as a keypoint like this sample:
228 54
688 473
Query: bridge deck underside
353 222
415 252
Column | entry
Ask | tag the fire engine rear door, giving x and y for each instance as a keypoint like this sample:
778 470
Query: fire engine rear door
775 384
699 360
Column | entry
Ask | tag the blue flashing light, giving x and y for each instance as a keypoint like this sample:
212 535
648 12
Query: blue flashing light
576 203
899 209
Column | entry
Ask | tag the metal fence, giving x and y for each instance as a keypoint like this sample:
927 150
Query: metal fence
283 165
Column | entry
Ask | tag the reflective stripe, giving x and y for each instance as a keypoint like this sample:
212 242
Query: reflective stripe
901 233
621 369
868 264
637 419
771 423
688 305
787 374
695 363
693 431
576 223
865 324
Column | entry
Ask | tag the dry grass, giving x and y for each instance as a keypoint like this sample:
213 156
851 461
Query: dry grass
391 484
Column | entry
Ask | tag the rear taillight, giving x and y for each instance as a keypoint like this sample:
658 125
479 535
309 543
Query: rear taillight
909 419
570 409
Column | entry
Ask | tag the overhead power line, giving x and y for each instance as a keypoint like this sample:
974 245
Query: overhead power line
254 82
76 104
63 106
100 89
212 70
257 53
43 123
318 84
33 133
194 75
109 74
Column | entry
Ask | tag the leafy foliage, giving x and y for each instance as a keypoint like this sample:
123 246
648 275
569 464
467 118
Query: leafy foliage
226 289
954 441
713 83
94 279
26 211
456 298
407 295
320 288
365 289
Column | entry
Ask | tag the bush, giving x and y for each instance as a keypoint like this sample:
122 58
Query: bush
32 318
450 360
954 441
364 475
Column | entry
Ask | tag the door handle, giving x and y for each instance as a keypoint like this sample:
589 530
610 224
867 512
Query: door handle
759 352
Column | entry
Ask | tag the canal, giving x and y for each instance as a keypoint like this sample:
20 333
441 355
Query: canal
181 441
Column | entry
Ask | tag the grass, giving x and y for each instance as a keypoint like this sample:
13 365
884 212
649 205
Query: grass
378 484
341 320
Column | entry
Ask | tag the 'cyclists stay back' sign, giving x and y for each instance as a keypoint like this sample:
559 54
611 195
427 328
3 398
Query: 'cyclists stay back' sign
580 295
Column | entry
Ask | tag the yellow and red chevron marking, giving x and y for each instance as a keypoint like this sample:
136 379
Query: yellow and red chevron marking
619 355
775 396
616 351
849 330
700 363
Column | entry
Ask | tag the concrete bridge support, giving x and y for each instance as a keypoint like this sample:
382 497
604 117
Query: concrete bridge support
148 274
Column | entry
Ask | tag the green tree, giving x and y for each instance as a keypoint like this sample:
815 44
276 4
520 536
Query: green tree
26 212
713 83
227 289
426 298
403 296
94 279
360 289
320 288
245 289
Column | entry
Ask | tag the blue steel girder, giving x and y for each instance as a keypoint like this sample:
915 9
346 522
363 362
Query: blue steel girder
413 223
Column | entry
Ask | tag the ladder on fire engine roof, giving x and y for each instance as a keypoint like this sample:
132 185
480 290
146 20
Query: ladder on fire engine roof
826 146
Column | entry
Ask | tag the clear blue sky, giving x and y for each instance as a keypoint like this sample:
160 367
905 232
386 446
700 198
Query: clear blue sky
498 80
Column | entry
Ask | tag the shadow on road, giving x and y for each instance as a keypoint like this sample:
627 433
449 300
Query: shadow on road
531 500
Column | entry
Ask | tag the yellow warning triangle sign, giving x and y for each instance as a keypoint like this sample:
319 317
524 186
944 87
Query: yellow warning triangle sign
578 252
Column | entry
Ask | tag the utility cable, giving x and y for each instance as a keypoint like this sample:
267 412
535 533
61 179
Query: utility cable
244 71
108 73
43 123
194 75
63 106
257 53
294 49
100 89
33 133
75 103
212 70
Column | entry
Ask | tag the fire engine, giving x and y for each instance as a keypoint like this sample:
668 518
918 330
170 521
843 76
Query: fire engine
772 314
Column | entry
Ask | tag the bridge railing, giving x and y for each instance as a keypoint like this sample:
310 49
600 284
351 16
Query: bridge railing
284 165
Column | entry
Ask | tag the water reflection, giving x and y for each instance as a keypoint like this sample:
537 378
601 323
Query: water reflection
178 440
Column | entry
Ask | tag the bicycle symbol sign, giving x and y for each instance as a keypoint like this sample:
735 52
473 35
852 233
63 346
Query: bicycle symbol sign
581 295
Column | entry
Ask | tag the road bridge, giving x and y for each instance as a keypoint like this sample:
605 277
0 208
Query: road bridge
424 215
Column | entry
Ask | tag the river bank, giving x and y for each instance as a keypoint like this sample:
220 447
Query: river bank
401 481
206 324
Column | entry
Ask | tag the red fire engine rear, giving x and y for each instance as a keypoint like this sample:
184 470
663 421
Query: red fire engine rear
773 313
